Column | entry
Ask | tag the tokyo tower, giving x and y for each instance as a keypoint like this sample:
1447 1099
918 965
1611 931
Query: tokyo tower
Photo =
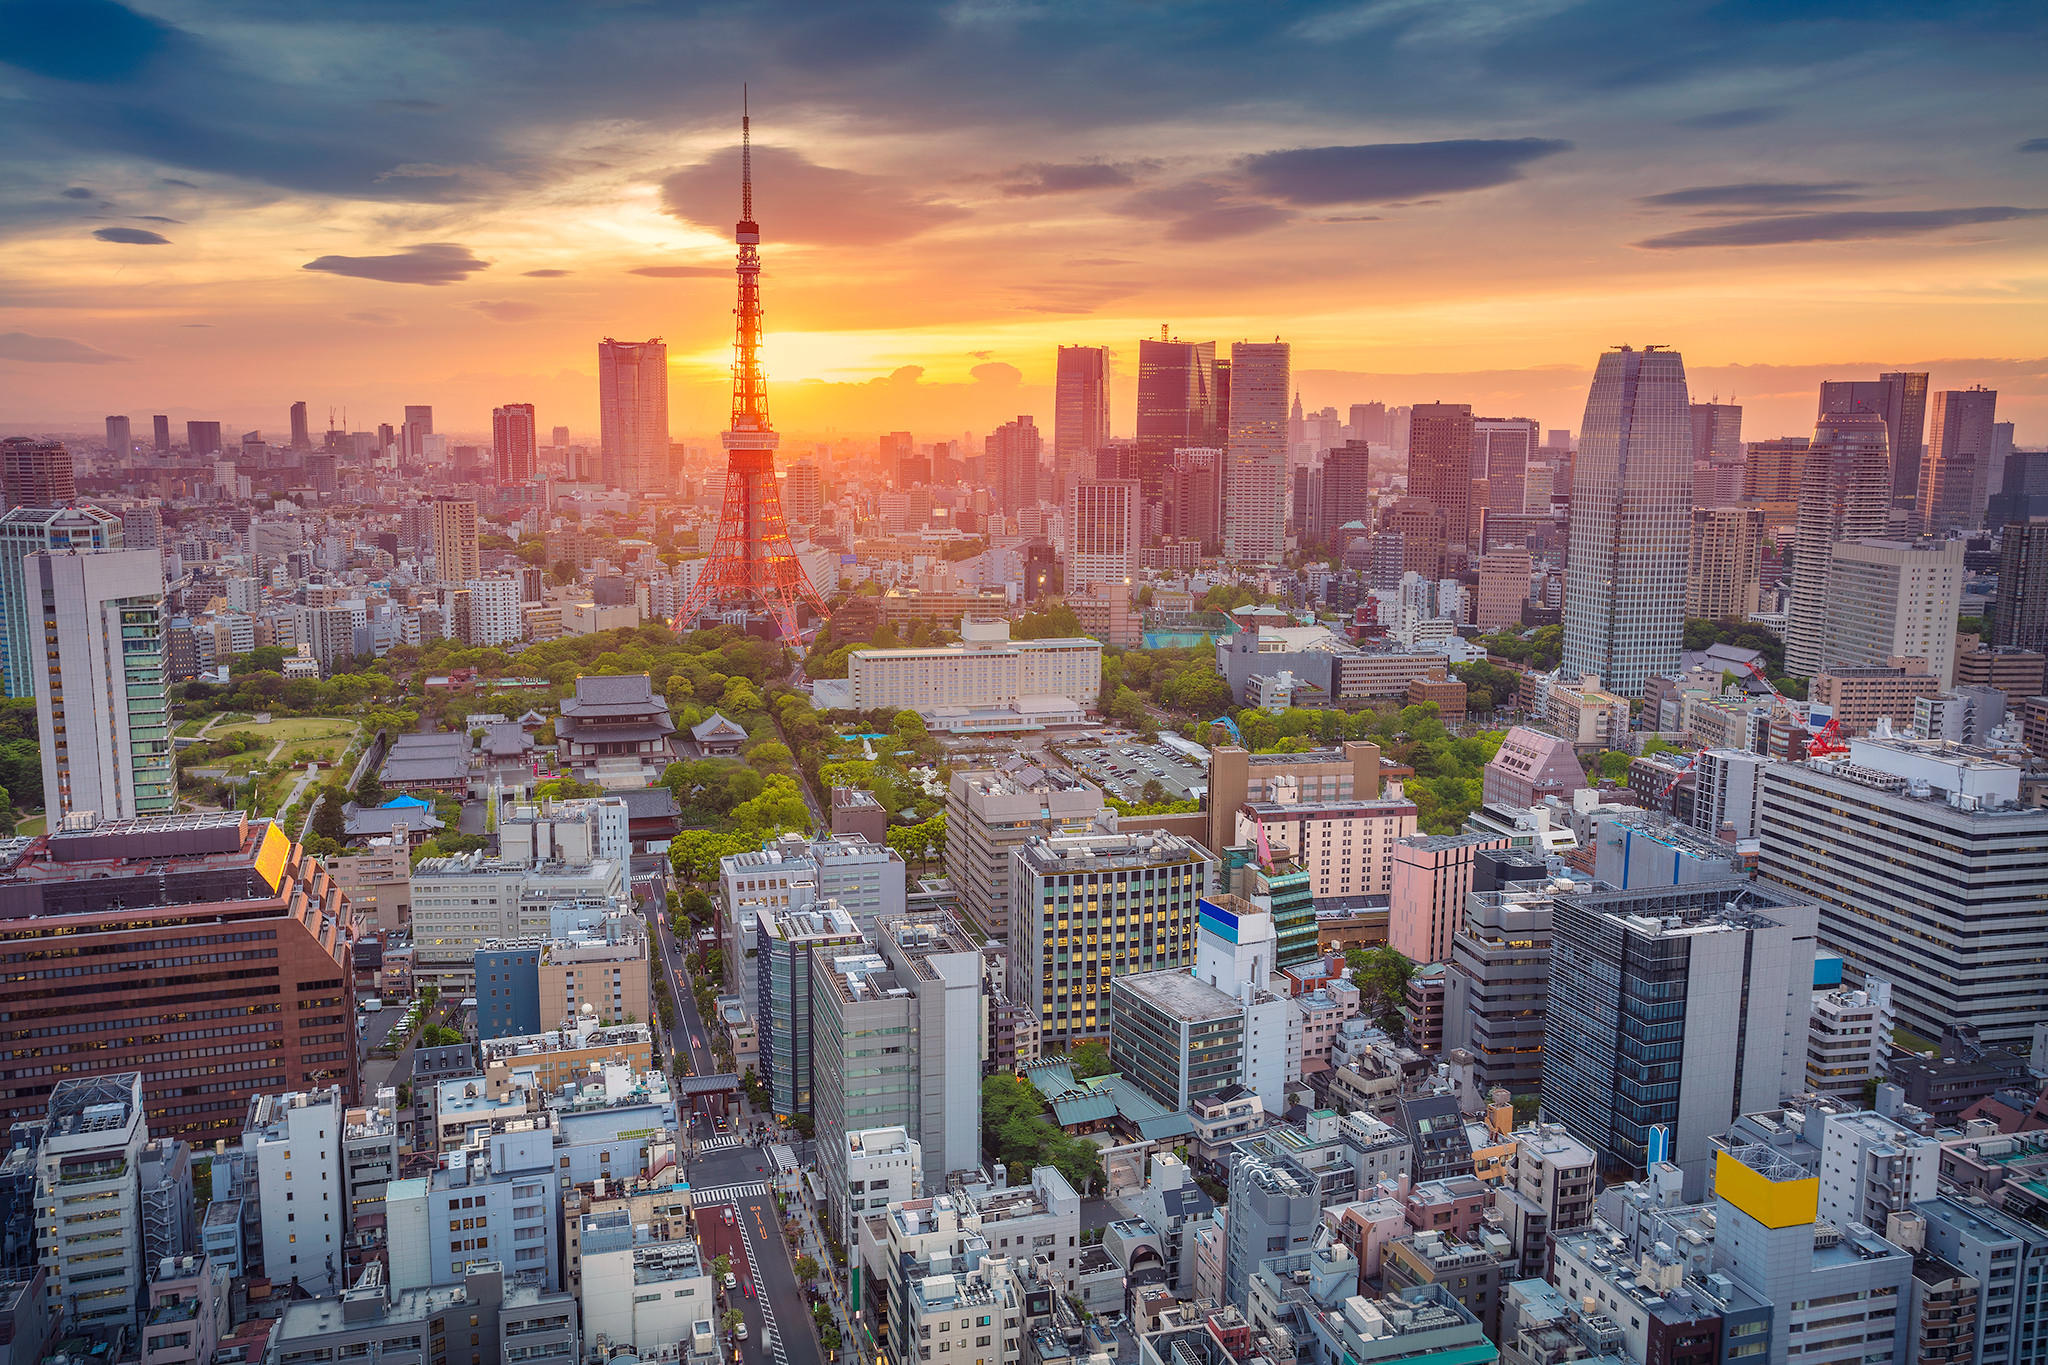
752 561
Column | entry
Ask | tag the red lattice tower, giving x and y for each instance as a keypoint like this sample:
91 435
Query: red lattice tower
752 560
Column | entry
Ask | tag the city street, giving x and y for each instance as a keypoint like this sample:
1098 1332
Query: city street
689 1036
736 1216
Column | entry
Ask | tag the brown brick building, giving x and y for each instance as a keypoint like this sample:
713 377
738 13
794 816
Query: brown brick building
207 952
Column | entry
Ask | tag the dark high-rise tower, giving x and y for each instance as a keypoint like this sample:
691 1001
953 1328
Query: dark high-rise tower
1176 405
1440 469
161 430
1962 443
1900 399
35 473
302 433
752 561
1080 417
2022 618
516 443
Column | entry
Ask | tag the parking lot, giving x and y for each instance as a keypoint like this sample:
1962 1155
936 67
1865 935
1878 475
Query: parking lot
1122 767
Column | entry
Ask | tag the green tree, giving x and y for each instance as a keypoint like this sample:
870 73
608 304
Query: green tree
1054 620
1613 764
368 790
770 756
1088 1060
721 1266
805 1267
1381 975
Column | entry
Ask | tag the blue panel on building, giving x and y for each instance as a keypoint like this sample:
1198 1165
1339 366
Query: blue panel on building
507 992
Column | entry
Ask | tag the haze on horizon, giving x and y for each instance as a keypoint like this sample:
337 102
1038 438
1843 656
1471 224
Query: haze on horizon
211 208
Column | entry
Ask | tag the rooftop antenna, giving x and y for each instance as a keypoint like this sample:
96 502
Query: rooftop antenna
746 159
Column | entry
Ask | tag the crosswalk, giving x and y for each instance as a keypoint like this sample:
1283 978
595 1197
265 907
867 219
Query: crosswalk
720 1143
720 1194
771 1339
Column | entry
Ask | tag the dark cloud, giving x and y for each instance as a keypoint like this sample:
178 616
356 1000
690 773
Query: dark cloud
1204 211
1760 194
132 236
1354 218
681 272
1050 177
427 263
2035 144
1848 226
1747 117
181 184
1096 260
1377 173
37 350
156 218
544 274
797 200
79 192
506 310
92 42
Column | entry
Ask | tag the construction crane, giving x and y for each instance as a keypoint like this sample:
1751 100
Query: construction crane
1265 848
1826 741
1684 764
1230 725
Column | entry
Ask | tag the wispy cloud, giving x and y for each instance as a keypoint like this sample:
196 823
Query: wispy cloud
131 236
797 200
681 272
37 350
1748 116
1790 229
1381 172
1759 194
506 310
431 263
1053 177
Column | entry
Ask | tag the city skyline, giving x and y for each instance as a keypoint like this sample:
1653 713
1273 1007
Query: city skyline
465 231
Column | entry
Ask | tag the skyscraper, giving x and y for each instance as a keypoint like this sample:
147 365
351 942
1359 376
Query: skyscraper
1955 479
1102 535
453 538
1177 404
203 438
632 396
1346 492
1727 560
1194 497
302 432
413 432
515 439
1369 423
1624 601
120 438
2022 620
1771 477
1440 469
102 703
1501 447
161 430
1844 494
36 473
1080 418
803 493
24 531
1901 399
1255 478
1010 463
1892 599
1717 460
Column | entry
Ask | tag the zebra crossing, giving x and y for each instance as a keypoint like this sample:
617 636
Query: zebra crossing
720 1143
719 1194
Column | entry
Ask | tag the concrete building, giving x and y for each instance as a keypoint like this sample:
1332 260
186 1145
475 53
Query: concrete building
1858 697
1726 568
1087 908
1890 599
641 1290
463 901
2022 620
1497 991
1255 477
992 813
102 699
494 612
1432 876
1275 1209
1870 1167
1925 866
478 1319
1530 766
1849 1040
1503 589
89 1201
880 1167
1631 516
1727 792
1550 1184
1694 1001
1956 476
986 671
294 1142
2009 1260
24 531
1236 948
1177 1038
1348 772
452 532
632 393
797 948
1103 537
1347 848
1844 494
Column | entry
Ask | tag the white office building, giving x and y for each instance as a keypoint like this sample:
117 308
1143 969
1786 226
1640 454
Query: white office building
1102 534
493 611
295 1143
986 671
89 1199
1892 599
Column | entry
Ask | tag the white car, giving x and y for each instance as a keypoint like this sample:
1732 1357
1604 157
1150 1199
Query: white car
739 1331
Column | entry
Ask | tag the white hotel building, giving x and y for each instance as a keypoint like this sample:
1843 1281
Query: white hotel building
986 682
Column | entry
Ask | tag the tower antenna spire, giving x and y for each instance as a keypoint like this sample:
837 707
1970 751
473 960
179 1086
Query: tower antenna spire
746 158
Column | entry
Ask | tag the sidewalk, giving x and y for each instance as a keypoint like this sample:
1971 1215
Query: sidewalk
811 1242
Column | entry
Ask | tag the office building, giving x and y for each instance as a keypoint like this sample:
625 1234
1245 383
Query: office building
1440 468
1727 793
1011 464
1103 537
1194 497
1180 397
1177 1038
1503 589
494 612
1717 454
632 395
1771 479
1345 848
796 951
1892 599
1926 869
516 444
160 433
1347 772
89 1199
1255 477
452 539
1849 1041
990 814
1087 908
414 431
1900 399
1842 496
1955 478
1857 698
1692 1005
1497 989
1726 570
293 1142
1432 876
1275 1208
24 531
1080 418
803 494
2022 618
302 432
1631 519
1501 448
478 1318
2008 1258
36 473
120 437
463 902
102 701
986 672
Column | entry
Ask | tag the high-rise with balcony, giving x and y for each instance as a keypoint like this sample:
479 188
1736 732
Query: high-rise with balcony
1255 475
1842 496
1080 414
452 535
632 397
1721 582
1900 398
1962 442
1893 599
1010 464
1102 535
515 443
1624 601
89 1198
102 701
36 473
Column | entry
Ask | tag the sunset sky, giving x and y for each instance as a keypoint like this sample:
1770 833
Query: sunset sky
214 207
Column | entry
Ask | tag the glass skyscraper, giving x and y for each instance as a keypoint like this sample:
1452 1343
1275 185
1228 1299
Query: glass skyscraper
1624 602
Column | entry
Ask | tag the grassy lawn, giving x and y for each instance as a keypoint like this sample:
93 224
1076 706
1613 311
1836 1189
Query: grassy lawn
292 728
31 826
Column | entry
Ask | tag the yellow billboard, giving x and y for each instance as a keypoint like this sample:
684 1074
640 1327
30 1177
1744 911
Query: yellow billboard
271 855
